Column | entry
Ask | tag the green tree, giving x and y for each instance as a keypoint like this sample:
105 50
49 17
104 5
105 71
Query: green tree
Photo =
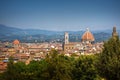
1 76
10 73
14 70
35 70
108 63
59 67
84 68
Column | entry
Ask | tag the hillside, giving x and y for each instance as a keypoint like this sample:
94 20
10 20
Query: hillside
30 35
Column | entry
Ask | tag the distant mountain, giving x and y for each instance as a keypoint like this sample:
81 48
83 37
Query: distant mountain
37 31
9 33
31 35
5 30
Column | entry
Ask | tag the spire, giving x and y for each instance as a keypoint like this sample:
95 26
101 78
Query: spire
114 33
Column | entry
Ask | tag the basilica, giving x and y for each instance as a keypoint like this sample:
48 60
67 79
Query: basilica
84 46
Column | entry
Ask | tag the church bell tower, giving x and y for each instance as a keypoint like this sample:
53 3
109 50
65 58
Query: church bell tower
66 38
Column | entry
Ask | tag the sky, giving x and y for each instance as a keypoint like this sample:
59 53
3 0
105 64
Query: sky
60 15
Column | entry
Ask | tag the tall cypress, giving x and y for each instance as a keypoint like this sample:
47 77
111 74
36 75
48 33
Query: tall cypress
108 63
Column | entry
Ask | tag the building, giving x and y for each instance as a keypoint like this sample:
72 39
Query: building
73 47
88 37
3 66
114 33
16 42
66 37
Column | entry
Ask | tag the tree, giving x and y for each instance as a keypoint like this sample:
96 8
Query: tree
84 68
14 70
10 73
59 67
108 63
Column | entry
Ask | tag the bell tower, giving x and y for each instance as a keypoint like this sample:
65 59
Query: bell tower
66 38
114 33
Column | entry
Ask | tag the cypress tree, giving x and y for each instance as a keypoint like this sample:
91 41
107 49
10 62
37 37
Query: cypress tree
108 63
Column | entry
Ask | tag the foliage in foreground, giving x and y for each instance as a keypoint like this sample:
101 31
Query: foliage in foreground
53 67
108 63
84 68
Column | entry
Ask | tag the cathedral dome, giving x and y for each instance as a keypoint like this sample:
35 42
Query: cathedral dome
88 36
16 42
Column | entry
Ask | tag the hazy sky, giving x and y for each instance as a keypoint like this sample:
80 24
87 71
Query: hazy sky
60 15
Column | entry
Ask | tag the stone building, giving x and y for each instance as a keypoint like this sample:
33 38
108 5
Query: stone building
87 39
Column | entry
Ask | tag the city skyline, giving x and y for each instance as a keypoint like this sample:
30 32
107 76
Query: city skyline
60 15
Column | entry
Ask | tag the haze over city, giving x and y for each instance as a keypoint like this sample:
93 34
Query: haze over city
60 15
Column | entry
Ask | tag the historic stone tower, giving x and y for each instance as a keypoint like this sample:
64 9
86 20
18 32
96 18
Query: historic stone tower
66 38
114 33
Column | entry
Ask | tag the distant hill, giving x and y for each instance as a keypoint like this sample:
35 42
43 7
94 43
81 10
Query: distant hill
30 35
5 30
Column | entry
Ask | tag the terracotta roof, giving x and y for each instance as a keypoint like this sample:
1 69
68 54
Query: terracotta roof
3 66
88 36
16 42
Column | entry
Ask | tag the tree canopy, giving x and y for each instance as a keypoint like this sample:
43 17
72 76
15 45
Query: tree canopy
108 63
